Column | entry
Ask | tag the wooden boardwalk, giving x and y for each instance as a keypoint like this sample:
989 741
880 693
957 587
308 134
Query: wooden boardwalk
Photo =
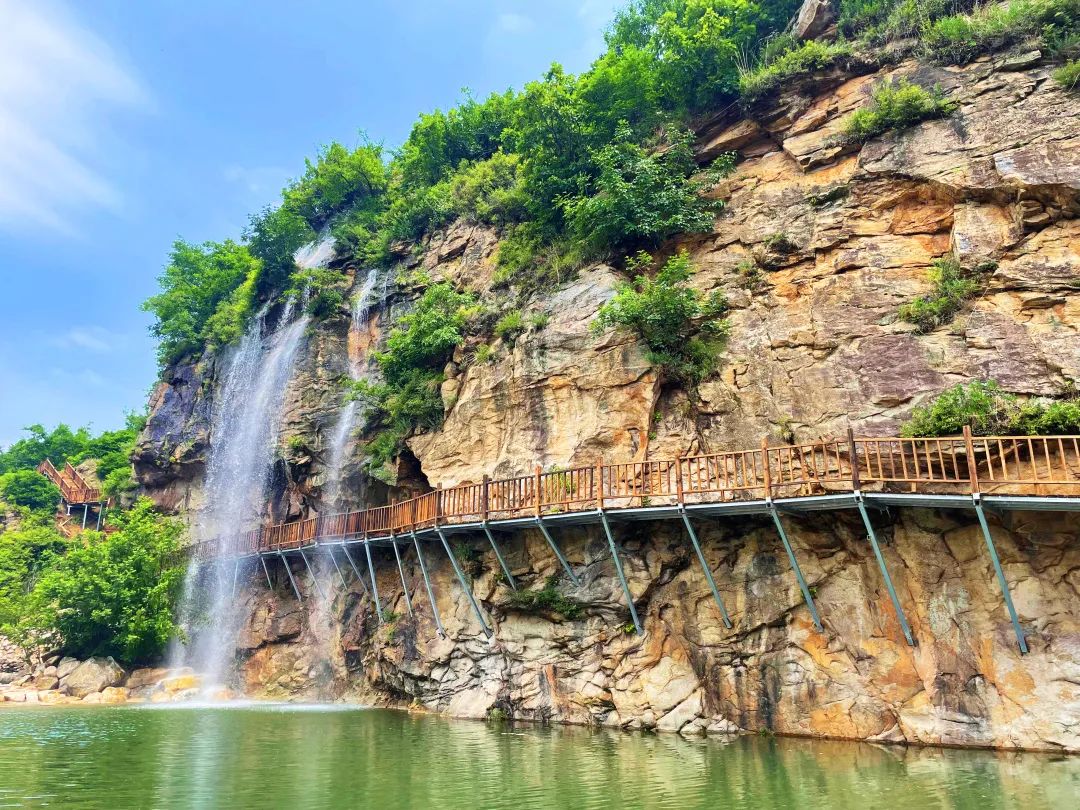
967 472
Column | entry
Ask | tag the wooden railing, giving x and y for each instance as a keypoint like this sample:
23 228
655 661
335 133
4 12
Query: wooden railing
73 487
1017 465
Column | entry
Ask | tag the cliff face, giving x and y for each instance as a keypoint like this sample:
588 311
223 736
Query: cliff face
840 238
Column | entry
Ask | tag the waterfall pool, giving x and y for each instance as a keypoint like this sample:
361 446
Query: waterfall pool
259 755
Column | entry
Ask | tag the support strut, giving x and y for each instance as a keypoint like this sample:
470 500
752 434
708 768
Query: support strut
705 567
311 573
566 566
266 570
872 535
401 573
427 586
619 571
807 597
499 557
374 585
464 585
977 500
333 559
292 581
235 575
355 570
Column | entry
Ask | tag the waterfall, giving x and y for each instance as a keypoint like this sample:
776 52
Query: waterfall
317 253
243 443
339 441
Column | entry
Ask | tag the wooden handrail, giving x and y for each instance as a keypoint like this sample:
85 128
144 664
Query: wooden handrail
73 487
945 465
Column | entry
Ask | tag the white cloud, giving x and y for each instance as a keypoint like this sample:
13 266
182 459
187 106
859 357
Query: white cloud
91 338
60 85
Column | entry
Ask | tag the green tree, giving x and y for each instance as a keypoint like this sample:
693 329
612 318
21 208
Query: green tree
59 445
30 489
114 595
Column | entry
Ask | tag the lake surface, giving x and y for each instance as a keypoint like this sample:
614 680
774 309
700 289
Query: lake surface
299 757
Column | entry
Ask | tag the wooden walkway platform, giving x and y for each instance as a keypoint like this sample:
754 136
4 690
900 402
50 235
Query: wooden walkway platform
965 472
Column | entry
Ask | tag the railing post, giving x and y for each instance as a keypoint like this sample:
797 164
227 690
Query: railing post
680 496
484 496
536 486
438 504
856 485
973 472
599 486
765 465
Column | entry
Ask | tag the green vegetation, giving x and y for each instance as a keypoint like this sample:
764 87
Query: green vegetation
1068 75
895 106
546 600
680 328
510 325
29 489
989 411
784 58
417 349
952 288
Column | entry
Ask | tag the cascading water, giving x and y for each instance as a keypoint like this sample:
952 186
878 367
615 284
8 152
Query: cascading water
339 442
243 441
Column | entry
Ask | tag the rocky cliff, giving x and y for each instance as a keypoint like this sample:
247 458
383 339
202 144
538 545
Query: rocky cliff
818 247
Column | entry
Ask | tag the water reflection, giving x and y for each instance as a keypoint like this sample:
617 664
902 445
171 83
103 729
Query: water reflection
284 757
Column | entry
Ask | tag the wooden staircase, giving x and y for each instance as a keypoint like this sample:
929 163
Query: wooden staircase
73 487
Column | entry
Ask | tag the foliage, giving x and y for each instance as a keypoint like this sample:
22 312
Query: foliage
24 553
951 289
60 444
337 180
29 489
546 600
489 191
895 106
273 236
778 65
667 315
990 411
641 195
206 295
417 348
510 325
1068 75
115 594
321 288
959 38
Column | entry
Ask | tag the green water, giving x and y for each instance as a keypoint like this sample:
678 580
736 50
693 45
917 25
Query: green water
269 757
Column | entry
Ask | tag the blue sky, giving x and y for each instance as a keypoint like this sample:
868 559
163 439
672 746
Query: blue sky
126 124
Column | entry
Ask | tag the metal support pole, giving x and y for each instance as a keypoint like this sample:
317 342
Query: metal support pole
619 571
559 554
977 500
884 571
333 559
355 570
374 585
288 570
807 597
705 567
100 509
464 584
401 573
85 514
499 557
266 570
235 574
427 586
311 571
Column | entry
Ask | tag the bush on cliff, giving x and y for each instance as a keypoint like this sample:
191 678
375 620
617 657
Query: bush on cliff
990 411
680 327
29 489
895 106
952 288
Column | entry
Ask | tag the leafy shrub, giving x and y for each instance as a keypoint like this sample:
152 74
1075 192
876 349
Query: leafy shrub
546 600
273 236
490 191
510 325
417 348
895 106
642 195
29 489
24 554
336 181
665 313
526 257
1068 75
60 444
114 595
951 289
958 39
989 411
322 288
206 295
779 65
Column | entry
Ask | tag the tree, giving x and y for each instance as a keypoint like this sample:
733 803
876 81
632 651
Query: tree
115 595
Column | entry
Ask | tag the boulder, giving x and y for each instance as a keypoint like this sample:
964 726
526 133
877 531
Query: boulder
93 675
181 683
66 665
815 17
45 681
148 676
112 695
